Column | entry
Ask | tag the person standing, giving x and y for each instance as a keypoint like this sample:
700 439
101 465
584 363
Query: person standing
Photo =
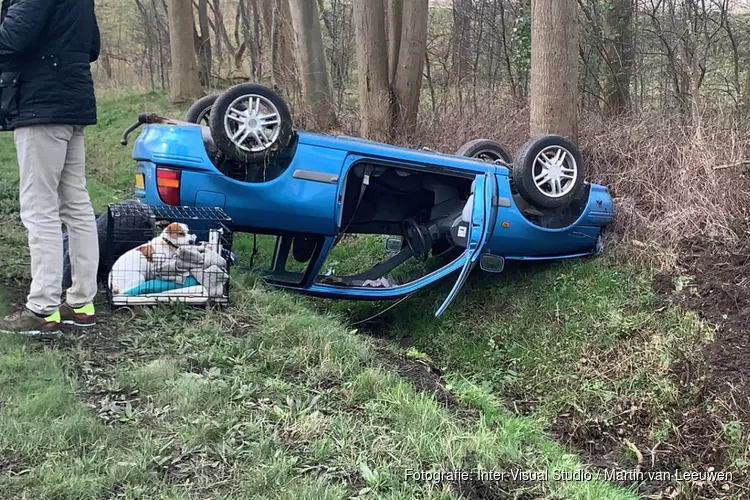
46 99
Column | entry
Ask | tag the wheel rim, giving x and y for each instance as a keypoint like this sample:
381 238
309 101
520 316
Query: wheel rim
205 117
555 172
252 123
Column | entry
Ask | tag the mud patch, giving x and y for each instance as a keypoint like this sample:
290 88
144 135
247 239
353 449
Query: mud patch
425 376
622 452
614 445
12 463
478 489
720 292
663 284
714 281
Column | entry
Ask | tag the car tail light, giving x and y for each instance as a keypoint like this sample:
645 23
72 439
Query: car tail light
168 184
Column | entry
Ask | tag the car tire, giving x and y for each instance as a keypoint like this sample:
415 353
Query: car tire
200 111
562 163
485 149
251 142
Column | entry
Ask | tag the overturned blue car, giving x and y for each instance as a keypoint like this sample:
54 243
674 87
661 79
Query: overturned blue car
239 151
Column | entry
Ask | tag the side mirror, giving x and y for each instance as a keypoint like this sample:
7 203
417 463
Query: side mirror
394 244
491 263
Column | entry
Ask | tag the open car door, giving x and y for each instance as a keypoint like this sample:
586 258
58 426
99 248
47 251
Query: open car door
475 228
479 230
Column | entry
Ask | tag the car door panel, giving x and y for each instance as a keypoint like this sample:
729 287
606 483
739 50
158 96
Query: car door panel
302 199
481 218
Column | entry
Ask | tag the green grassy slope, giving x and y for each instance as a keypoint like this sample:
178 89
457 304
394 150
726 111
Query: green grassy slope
270 399
584 335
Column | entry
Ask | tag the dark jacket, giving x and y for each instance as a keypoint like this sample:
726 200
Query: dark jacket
46 51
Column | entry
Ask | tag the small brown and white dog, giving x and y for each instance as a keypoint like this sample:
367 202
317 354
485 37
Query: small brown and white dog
136 266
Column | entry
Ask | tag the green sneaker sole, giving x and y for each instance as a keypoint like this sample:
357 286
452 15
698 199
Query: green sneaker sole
70 322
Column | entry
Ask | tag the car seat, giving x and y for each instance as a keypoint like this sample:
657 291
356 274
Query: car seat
469 207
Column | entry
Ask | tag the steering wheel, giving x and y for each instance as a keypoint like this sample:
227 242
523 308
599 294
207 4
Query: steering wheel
416 239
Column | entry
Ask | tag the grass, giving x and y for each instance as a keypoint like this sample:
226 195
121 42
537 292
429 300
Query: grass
544 333
584 344
278 398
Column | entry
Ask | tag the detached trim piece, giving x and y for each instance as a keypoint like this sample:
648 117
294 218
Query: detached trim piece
312 175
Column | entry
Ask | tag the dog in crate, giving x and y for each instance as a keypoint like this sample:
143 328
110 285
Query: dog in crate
200 264
137 266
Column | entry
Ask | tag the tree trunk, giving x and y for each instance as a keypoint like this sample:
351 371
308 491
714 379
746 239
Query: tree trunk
104 58
554 68
621 56
251 42
506 51
394 27
311 55
696 79
268 13
203 45
220 28
735 56
218 34
185 83
280 32
286 49
162 41
462 10
372 63
258 45
408 81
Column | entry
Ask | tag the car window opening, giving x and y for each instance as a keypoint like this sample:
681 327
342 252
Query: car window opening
430 212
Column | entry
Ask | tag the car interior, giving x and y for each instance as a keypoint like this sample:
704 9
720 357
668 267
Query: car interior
430 211
378 199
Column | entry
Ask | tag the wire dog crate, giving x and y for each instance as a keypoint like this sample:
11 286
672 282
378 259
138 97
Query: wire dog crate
168 254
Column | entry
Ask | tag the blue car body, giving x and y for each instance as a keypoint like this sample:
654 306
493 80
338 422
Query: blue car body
308 195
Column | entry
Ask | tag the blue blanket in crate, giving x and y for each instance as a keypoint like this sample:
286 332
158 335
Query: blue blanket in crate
159 286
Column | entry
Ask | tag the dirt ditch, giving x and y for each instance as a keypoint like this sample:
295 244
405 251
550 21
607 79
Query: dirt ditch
714 409
713 281
424 376
717 279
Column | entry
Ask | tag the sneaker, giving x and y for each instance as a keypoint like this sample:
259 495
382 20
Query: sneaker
26 322
82 316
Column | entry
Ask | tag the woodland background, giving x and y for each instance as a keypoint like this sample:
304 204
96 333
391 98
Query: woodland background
657 92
